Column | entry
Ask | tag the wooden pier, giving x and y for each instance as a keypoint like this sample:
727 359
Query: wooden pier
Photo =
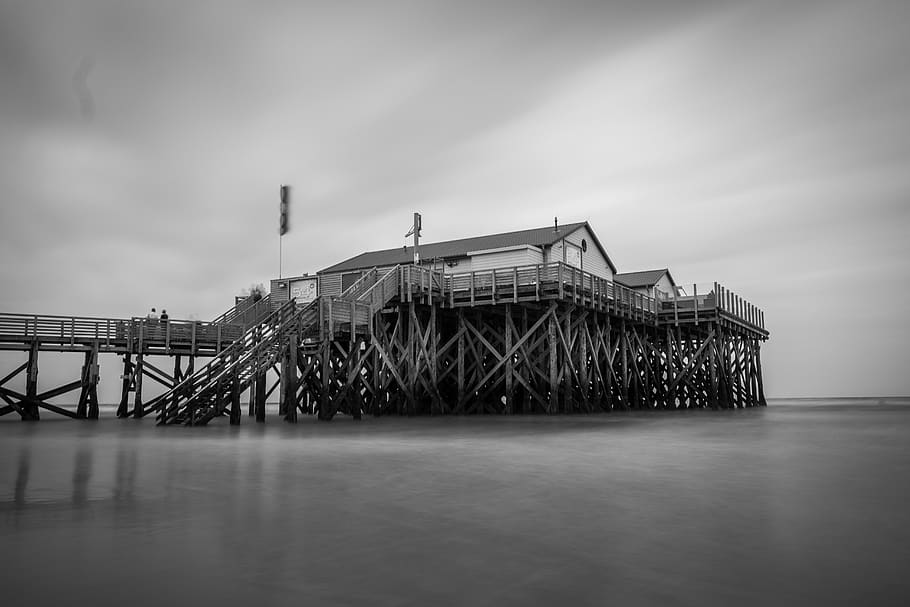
413 340
139 341
543 339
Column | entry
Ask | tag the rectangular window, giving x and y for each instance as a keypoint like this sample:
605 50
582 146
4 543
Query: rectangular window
349 279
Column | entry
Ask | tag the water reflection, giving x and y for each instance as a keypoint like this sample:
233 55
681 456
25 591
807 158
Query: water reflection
82 473
22 477
581 510
125 474
39 475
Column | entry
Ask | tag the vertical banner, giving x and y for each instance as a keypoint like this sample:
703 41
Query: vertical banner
285 203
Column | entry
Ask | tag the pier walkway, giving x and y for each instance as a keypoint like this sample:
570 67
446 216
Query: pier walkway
561 337
130 337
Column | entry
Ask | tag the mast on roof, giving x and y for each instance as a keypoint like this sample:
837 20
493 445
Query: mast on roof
415 230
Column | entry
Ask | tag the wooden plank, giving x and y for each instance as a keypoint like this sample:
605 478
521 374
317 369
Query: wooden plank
559 279
56 409
433 360
675 309
459 408
551 339
73 385
138 410
583 364
289 396
14 373
694 361
510 368
126 385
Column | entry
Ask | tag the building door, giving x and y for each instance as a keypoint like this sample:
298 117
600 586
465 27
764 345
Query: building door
573 255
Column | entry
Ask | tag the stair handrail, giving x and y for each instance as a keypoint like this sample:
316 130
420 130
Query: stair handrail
425 279
352 291
243 360
254 352
387 287
241 307
273 324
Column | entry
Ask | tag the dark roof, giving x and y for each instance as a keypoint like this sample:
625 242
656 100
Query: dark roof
538 237
645 278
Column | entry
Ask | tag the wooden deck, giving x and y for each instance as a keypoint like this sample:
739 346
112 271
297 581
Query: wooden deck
127 335
557 282
564 283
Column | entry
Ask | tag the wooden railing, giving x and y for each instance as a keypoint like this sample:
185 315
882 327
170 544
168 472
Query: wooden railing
63 330
247 312
717 302
134 334
383 290
145 333
737 307
546 281
419 280
338 313
362 285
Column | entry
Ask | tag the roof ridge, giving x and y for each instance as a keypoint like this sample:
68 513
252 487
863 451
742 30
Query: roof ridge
643 271
574 226
544 236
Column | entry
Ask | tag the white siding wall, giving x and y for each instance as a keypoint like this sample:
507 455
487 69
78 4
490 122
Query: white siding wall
554 253
464 265
330 284
279 294
665 285
504 259
591 260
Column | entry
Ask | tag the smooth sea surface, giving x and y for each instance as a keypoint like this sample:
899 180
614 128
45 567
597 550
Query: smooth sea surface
800 503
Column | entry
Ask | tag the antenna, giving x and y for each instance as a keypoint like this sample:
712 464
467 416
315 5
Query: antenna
415 230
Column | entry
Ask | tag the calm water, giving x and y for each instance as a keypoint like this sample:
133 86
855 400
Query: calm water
795 504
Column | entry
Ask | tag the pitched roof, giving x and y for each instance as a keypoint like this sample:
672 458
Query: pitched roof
645 278
539 237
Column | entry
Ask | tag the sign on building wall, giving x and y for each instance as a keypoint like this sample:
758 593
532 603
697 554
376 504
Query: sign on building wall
304 290
573 255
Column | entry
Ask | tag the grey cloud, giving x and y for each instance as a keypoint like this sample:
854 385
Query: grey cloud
763 144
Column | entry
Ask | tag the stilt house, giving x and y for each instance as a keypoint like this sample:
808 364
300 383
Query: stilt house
658 284
574 244
531 321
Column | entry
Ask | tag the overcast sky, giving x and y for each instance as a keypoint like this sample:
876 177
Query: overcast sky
765 145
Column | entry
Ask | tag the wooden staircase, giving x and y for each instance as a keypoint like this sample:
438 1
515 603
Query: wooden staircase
214 389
